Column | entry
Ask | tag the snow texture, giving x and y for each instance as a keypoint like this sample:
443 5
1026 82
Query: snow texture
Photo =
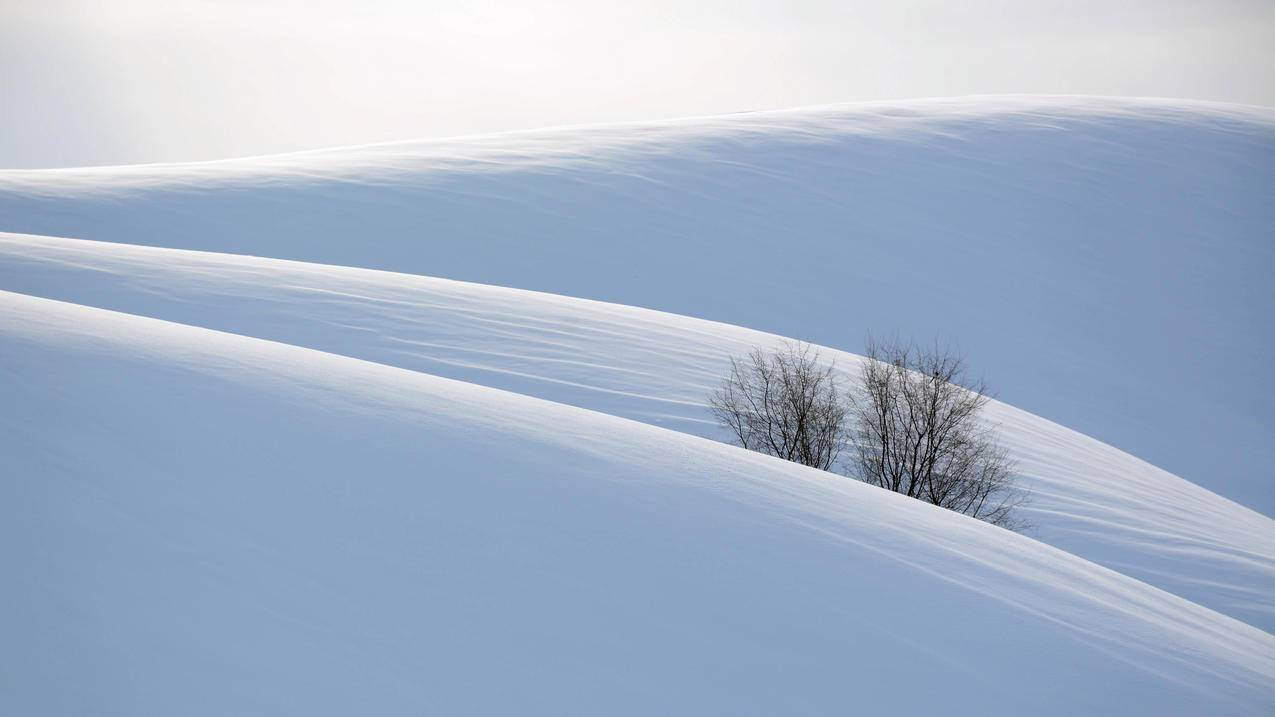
330 482
1088 498
1106 262
317 534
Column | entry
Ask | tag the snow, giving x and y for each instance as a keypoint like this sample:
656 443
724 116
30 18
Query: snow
1100 250
1089 498
318 534
366 476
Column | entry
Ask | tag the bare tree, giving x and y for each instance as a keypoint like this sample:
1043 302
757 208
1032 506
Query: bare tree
786 404
918 432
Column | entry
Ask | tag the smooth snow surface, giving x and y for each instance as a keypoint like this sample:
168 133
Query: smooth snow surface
1106 262
233 485
1089 498
312 534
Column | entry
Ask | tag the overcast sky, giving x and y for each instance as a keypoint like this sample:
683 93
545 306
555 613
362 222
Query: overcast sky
131 81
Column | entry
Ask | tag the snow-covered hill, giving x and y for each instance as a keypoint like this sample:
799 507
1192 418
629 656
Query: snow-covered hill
1089 499
307 533
1106 262
232 484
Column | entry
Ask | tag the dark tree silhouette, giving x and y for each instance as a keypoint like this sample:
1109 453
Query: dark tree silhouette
784 403
917 431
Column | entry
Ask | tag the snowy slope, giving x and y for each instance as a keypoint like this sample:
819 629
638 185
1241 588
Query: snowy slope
312 534
1090 499
1106 262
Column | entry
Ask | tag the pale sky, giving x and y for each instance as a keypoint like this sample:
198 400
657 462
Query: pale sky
131 81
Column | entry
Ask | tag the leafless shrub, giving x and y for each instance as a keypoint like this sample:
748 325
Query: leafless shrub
784 403
917 431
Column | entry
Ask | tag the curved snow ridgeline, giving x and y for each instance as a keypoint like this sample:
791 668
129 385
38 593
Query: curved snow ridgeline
243 485
1088 498
1091 255
260 528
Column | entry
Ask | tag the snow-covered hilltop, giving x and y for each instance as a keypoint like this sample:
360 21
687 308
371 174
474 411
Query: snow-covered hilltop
1093 256
1089 498
332 480
231 525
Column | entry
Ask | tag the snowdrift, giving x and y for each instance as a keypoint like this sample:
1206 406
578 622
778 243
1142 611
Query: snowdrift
1107 262
1089 499
308 533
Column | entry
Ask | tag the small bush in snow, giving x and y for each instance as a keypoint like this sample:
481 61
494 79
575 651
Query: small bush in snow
912 424
917 431
784 403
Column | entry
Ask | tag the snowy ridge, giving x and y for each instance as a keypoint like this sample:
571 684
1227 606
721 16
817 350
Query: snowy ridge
334 482
599 145
586 562
1100 250
1089 499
